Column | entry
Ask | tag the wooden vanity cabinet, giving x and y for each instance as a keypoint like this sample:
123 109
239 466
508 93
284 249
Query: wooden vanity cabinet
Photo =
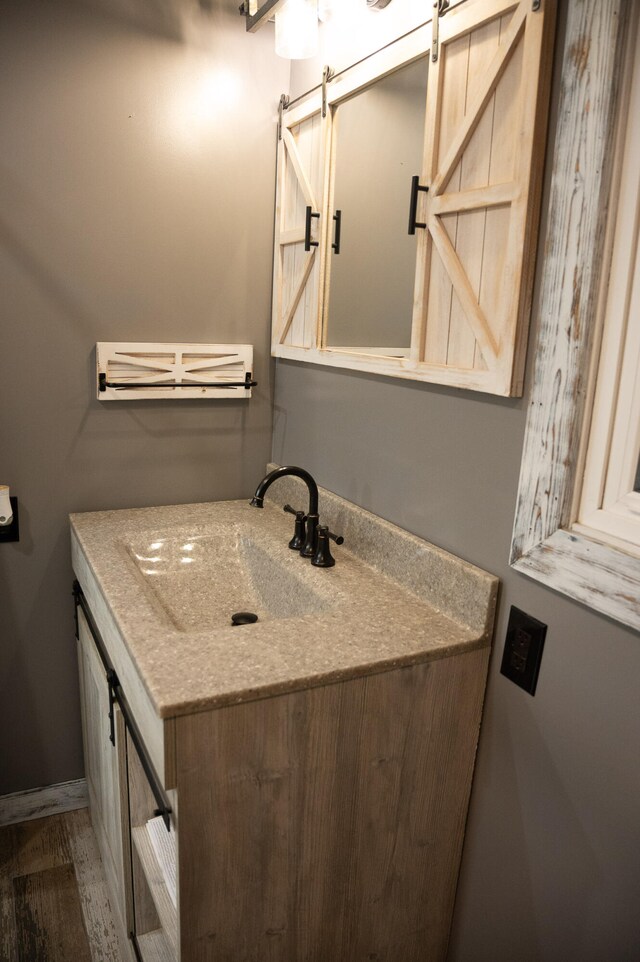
327 823
319 824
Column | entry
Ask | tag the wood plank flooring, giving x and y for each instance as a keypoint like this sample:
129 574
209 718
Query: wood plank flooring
54 905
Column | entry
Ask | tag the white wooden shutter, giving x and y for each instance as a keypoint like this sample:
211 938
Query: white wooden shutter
484 150
297 273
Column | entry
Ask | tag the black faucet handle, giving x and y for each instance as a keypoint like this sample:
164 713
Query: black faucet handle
298 514
322 557
335 537
298 540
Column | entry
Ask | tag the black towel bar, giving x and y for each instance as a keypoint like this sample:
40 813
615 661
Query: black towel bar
119 386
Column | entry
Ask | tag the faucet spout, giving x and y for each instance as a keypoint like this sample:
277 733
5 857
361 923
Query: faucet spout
258 499
309 548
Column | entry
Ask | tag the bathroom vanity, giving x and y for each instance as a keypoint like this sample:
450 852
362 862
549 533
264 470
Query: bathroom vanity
301 782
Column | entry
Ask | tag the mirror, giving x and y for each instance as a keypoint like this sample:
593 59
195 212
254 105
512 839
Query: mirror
379 140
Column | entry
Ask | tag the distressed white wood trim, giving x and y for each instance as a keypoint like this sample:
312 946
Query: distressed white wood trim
589 571
542 546
40 802
617 368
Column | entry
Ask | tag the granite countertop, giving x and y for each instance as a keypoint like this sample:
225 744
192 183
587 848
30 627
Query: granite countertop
172 576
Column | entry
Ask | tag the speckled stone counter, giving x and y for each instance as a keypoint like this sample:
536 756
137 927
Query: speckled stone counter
169 578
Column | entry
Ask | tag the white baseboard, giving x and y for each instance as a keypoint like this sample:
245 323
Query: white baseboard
40 802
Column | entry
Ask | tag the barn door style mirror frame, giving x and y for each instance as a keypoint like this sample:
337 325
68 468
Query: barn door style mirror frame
474 206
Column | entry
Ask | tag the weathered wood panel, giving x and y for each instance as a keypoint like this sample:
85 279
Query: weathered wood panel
328 823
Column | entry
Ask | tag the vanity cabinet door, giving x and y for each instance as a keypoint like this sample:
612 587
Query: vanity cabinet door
300 206
104 766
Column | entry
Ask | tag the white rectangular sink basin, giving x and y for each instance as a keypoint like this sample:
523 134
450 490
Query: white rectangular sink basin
200 581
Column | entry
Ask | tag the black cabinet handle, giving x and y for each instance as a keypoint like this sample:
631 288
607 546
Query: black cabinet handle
336 240
413 204
308 243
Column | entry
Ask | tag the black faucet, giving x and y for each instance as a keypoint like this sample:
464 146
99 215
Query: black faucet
308 549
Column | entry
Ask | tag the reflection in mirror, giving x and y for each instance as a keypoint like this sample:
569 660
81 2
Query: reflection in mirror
378 148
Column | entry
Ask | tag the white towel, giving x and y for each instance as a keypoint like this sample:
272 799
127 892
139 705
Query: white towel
164 846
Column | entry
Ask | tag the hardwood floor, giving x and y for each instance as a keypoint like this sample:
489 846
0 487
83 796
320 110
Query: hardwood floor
54 905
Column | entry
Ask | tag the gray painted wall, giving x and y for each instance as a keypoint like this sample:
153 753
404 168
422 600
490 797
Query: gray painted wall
136 203
550 868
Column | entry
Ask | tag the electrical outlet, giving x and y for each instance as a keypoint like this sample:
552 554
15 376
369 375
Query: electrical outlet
523 649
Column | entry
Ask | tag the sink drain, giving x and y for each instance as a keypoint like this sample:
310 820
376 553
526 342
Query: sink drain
244 618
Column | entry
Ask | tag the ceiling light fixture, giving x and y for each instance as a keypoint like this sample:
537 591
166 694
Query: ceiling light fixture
297 29
296 23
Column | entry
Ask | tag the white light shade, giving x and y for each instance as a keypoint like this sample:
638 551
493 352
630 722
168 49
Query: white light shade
297 29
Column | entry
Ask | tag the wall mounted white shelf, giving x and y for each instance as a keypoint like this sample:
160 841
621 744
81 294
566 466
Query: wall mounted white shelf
134 371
